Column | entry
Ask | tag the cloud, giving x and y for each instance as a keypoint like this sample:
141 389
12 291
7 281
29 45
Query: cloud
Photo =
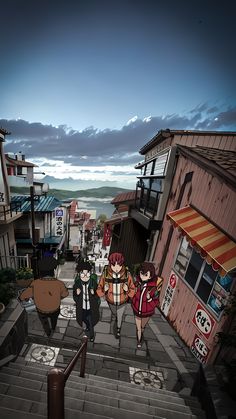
93 147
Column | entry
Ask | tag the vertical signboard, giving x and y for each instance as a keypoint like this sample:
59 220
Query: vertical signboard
200 349
59 222
203 321
169 293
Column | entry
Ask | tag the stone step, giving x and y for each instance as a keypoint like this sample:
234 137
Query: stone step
110 385
109 395
74 409
6 413
27 380
39 408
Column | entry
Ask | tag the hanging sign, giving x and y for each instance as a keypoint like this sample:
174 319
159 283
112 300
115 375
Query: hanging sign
203 321
200 349
106 235
169 293
59 222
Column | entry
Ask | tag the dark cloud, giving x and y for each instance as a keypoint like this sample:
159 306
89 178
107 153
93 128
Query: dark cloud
106 146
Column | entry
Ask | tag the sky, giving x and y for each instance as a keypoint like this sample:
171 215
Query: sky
85 84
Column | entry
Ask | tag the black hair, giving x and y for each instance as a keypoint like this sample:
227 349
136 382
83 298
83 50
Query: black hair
83 266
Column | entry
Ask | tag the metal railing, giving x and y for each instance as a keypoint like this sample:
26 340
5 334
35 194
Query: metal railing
56 382
14 262
9 211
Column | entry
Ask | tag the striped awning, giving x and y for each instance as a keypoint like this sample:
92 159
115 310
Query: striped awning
215 246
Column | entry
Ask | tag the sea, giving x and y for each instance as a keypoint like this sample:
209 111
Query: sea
100 205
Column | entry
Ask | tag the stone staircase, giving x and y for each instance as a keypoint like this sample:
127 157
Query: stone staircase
23 395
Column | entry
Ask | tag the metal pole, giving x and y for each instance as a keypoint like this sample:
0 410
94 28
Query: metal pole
55 393
83 357
33 231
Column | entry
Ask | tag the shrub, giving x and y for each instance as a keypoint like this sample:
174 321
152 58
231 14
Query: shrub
24 273
6 293
7 275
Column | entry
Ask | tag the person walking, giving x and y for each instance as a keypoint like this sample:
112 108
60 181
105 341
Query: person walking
47 292
146 298
86 298
116 284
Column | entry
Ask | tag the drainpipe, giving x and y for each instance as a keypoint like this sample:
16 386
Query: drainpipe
187 179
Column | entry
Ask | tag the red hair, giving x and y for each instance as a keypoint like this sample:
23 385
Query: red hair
116 257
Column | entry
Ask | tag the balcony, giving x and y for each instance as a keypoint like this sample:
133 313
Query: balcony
14 262
148 193
10 213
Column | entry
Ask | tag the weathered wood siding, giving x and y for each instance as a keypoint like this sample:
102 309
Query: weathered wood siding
217 202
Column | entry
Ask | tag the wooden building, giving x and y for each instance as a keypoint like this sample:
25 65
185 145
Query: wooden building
196 249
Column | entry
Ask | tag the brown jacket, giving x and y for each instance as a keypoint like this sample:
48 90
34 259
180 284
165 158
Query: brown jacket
115 293
47 293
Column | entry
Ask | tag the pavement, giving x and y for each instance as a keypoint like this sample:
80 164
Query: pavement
164 361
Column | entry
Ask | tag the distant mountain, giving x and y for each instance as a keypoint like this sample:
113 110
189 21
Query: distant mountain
101 193
75 185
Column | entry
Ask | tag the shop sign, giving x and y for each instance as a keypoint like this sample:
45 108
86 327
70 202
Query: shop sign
203 321
169 293
59 222
199 349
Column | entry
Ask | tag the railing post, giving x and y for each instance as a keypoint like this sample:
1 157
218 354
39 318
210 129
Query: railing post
56 384
83 356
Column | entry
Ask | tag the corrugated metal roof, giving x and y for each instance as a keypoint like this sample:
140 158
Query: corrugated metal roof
15 162
43 204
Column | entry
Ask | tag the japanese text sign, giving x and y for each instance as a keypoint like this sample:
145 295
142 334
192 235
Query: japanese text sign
203 321
59 222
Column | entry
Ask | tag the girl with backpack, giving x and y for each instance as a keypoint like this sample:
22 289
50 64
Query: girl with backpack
146 298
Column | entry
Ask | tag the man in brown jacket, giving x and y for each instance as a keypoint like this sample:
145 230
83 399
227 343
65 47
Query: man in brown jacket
47 292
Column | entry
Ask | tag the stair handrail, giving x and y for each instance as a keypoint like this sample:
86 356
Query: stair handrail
56 381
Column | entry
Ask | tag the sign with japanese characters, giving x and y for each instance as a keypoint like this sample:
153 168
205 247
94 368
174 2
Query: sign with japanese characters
203 321
200 349
169 293
59 222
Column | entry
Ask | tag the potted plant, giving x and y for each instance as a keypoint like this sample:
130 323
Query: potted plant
24 276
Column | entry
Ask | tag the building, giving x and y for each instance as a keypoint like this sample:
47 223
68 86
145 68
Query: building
20 172
196 250
187 171
9 214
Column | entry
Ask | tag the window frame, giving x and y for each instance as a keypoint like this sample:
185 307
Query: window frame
194 290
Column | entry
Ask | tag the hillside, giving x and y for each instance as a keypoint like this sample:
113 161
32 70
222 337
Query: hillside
61 194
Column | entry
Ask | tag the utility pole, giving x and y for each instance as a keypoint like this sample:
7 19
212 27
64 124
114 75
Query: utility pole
34 258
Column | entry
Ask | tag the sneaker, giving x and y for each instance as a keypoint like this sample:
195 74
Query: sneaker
92 339
139 345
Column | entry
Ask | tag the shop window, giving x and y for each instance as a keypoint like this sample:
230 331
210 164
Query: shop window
195 271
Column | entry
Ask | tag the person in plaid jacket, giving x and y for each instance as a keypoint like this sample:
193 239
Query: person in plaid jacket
116 284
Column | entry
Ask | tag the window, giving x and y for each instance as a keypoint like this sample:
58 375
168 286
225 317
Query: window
195 271
148 170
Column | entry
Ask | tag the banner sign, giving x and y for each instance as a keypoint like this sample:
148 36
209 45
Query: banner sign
199 349
169 293
106 235
203 321
59 222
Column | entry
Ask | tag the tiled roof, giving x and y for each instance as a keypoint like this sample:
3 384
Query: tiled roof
124 197
15 162
170 133
224 159
44 204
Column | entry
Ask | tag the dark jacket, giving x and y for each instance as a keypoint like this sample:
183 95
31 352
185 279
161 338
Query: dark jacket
94 300
141 305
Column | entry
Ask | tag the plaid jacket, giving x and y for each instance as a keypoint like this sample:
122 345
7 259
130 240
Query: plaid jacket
116 293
